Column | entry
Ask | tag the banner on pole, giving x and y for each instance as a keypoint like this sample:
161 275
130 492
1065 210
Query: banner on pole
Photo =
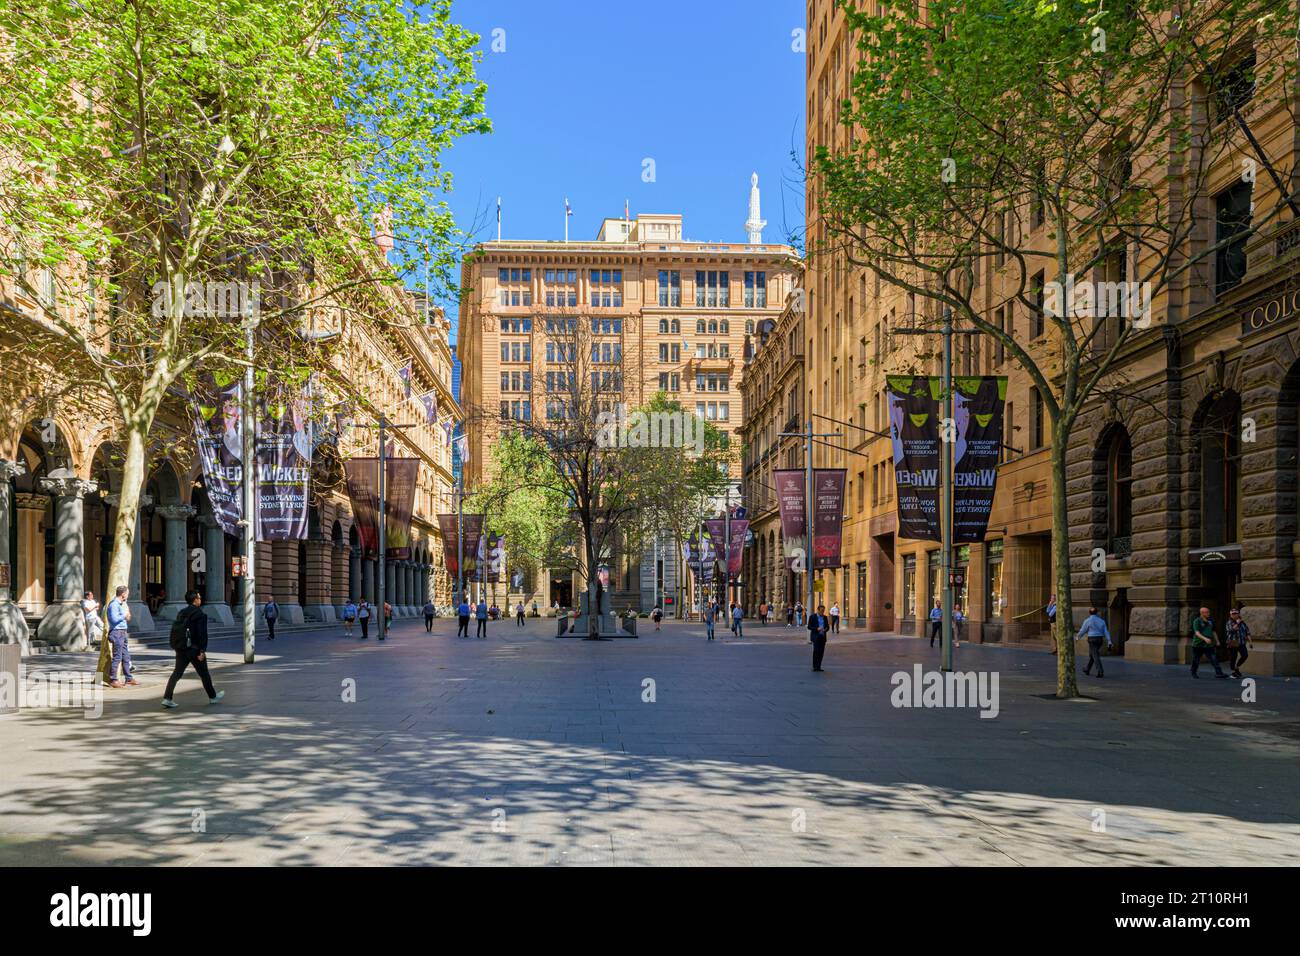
362 475
794 526
283 470
828 516
400 478
916 429
219 434
473 544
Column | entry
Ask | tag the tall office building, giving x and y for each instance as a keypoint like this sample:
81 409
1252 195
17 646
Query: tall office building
666 315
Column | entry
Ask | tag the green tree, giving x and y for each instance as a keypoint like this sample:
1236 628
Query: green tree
159 147
1030 143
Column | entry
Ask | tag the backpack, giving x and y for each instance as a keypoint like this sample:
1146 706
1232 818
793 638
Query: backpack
179 636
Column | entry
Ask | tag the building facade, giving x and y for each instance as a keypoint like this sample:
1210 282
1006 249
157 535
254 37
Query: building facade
60 478
666 315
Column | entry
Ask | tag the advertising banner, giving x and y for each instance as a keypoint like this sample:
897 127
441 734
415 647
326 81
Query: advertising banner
979 404
495 562
914 430
362 475
794 527
283 470
828 516
401 475
472 546
219 434
915 409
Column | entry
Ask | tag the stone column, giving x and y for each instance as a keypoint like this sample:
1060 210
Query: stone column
320 573
340 588
13 626
62 625
175 557
368 580
285 581
355 582
214 581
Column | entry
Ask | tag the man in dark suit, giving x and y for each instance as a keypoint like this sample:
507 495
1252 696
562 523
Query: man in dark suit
189 639
818 627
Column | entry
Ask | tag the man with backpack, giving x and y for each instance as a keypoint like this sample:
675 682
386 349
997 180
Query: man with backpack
189 639
271 611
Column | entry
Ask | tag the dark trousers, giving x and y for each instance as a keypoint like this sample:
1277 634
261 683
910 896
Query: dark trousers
1208 651
462 626
270 630
1094 654
365 628
519 618
819 649
481 631
428 623
936 632
185 658
835 624
1237 656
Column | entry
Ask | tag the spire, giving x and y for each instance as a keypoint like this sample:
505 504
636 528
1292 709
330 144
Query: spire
754 224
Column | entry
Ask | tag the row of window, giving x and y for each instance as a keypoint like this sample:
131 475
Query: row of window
516 381
713 411
712 289
516 351
607 352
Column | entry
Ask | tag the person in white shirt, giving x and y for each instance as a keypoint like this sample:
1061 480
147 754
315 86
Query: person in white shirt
90 610
835 618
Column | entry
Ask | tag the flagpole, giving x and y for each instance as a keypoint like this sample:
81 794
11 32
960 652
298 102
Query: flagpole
498 219
566 218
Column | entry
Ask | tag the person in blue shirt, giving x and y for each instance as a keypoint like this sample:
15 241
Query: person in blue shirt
119 615
737 615
1095 630
936 624
818 627
462 618
481 612
708 620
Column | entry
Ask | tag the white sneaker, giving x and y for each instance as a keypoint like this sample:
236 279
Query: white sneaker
170 704
215 700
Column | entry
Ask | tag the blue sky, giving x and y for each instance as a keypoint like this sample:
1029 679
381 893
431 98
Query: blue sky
585 91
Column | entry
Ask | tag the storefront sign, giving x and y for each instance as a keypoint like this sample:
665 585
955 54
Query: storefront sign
1270 312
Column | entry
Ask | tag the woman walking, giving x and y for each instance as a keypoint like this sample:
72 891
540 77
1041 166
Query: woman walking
1238 635
349 617
363 615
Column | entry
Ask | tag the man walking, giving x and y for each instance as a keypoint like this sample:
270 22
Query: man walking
818 627
737 615
519 614
1203 643
363 615
428 616
936 623
1051 619
480 612
1238 634
189 639
1094 629
709 618
271 611
462 618
835 618
118 617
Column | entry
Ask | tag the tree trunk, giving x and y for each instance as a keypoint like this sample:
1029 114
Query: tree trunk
1066 683
124 531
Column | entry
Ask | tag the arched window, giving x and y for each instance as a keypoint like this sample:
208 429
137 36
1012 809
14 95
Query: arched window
699 327
749 327
724 326
1119 493
1220 439
713 327
677 326
663 325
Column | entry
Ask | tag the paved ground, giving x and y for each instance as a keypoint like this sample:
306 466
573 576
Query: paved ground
526 749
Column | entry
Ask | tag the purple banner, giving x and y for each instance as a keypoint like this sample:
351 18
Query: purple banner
219 436
828 516
794 525
283 471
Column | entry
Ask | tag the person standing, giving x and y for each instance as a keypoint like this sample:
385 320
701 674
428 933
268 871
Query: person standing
789 614
835 618
363 615
818 627
119 615
481 613
1238 634
271 611
709 618
519 614
762 612
462 618
388 620
799 611
428 616
535 614
1095 630
1203 643
936 624
657 616
349 617
1051 619
737 615
189 639
90 613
